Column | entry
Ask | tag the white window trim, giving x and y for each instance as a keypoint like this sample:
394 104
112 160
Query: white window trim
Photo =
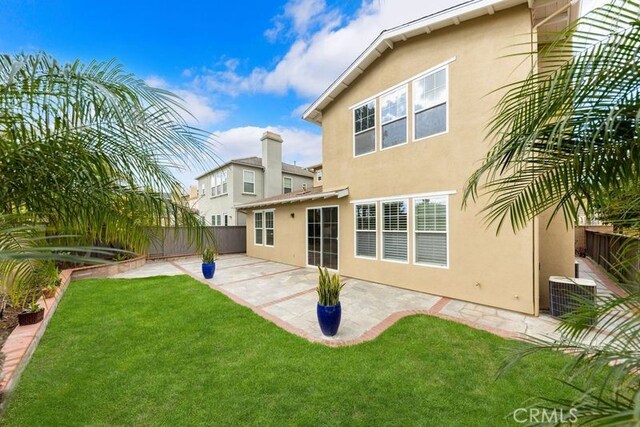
284 179
405 196
382 231
413 112
406 116
415 254
255 234
375 128
253 173
306 237
404 82
355 231
264 227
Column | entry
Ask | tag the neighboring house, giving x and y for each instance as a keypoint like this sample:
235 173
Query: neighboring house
246 180
402 130
317 174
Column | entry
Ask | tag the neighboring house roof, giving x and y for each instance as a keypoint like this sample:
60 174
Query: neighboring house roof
313 193
453 15
256 162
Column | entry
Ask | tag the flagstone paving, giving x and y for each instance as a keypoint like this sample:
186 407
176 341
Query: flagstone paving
286 295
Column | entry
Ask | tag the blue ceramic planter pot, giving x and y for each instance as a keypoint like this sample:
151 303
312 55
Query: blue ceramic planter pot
329 318
208 270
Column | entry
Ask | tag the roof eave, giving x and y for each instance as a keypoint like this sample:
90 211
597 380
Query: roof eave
324 195
386 40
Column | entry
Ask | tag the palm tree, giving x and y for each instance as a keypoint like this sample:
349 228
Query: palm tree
567 137
567 134
87 151
90 150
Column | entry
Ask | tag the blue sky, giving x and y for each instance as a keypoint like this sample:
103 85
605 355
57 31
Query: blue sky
242 67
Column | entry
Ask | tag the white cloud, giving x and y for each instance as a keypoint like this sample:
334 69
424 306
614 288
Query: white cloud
325 43
299 146
202 113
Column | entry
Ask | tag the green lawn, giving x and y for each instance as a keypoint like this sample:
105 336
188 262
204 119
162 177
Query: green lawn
171 351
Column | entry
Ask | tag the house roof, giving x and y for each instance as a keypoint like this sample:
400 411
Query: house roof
313 193
543 11
256 162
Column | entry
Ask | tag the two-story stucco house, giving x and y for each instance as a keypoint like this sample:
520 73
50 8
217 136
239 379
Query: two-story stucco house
402 130
248 179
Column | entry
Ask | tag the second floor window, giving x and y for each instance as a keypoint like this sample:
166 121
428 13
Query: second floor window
393 108
430 104
364 122
249 182
287 184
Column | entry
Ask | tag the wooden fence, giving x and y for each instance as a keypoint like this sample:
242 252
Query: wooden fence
175 241
618 254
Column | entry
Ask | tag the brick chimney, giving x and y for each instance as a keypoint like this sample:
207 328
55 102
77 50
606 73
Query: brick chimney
272 163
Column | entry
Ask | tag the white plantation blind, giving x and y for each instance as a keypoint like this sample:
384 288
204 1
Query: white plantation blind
431 228
394 231
366 234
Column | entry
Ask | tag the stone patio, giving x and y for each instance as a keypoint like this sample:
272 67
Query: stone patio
286 295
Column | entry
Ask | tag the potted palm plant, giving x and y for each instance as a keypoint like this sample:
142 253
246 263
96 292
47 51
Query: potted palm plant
49 279
328 309
209 256
24 296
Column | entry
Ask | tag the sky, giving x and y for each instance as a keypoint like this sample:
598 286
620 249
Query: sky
241 67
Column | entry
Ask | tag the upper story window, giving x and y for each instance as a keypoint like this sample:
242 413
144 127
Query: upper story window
287 184
225 177
393 118
364 125
249 182
219 183
202 190
319 175
430 96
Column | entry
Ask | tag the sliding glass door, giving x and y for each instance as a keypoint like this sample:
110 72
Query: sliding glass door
322 237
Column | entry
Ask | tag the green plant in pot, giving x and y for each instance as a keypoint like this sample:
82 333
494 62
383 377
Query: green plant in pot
48 276
209 256
329 310
24 295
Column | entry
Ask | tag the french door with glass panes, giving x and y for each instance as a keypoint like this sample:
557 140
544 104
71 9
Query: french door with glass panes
322 237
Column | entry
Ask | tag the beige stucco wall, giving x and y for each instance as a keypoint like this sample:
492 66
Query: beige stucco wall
483 268
557 252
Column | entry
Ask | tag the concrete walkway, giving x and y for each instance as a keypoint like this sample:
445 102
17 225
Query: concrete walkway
286 295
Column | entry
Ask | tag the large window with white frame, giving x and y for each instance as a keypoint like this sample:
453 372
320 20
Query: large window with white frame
248 182
366 230
287 184
225 178
364 125
258 227
431 228
269 227
394 231
393 117
264 227
430 94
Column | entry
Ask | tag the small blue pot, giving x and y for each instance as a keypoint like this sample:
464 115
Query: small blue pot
329 318
208 269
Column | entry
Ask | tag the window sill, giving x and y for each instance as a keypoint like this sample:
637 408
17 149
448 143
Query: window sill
218 195
248 194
